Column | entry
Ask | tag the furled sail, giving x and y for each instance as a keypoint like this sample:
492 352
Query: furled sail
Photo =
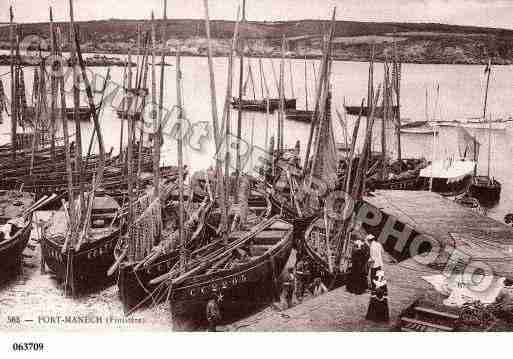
324 161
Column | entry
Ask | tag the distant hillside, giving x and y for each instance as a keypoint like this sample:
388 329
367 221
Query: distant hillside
419 43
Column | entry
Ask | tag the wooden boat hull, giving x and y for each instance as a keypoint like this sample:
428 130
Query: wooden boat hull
89 264
135 290
246 285
299 115
84 113
11 250
487 192
441 186
124 115
409 184
378 112
133 284
320 266
261 105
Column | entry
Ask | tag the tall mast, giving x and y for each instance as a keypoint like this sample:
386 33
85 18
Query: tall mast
263 84
76 104
181 237
124 109
154 115
239 114
488 70
65 133
92 108
306 88
156 136
320 83
53 86
14 90
282 98
291 79
386 117
397 88
222 185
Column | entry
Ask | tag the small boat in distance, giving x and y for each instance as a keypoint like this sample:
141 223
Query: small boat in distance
378 111
261 105
299 115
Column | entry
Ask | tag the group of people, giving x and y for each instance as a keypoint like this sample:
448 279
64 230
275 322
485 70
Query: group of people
367 273
299 280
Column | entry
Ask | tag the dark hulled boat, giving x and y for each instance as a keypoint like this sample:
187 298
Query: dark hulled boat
134 277
268 246
299 115
449 178
123 114
261 105
485 189
321 248
85 265
15 228
378 111
135 290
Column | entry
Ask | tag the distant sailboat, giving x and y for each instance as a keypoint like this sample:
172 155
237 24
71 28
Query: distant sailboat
486 189
452 176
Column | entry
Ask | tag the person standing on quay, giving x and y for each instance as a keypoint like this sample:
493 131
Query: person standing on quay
378 304
376 257
357 279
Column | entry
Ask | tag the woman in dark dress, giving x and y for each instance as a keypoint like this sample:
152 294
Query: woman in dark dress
378 305
357 279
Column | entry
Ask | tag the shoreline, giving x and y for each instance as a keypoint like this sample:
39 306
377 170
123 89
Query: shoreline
120 62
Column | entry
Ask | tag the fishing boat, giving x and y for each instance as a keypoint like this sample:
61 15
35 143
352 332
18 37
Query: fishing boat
221 268
299 115
84 113
378 111
15 226
418 128
261 105
135 290
485 188
424 130
123 114
320 246
86 263
448 177
401 174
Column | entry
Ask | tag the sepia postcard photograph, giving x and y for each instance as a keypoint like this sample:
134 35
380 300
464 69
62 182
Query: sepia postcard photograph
255 166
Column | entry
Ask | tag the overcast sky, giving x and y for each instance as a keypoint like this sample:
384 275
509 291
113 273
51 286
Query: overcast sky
494 13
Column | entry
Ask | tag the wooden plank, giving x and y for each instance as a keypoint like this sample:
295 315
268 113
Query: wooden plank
427 324
436 312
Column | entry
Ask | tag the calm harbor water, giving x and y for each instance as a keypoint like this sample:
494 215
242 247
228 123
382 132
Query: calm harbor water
461 92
